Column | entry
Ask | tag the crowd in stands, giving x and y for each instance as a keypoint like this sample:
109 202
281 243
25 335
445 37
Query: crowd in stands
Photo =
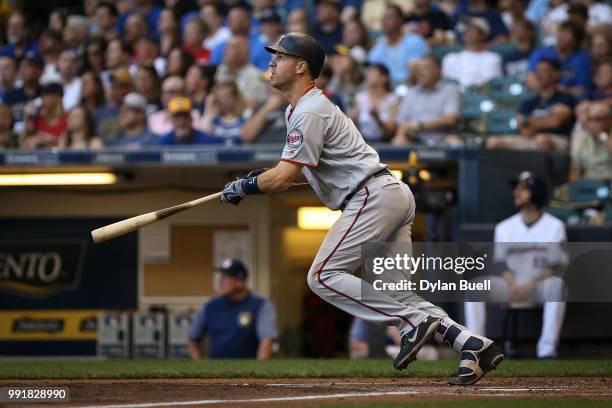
527 74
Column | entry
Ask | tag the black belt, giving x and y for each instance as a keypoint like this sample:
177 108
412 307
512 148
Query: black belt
379 173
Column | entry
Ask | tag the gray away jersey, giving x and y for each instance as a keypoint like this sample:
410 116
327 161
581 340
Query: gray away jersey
326 143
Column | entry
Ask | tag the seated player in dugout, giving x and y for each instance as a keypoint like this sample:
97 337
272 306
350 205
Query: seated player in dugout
239 323
324 148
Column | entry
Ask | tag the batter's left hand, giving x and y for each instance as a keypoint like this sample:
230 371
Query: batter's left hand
232 193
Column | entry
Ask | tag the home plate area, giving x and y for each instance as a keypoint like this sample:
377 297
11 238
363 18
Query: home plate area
318 391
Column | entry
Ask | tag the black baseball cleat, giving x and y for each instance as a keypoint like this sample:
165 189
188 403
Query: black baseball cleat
414 340
475 364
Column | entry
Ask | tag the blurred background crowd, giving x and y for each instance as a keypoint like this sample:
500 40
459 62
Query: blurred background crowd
527 74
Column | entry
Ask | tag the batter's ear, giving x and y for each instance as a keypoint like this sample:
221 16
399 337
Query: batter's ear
301 67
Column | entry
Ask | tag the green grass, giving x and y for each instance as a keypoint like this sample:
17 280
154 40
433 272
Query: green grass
478 403
282 368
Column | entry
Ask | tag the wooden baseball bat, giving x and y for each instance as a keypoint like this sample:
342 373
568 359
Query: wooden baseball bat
132 224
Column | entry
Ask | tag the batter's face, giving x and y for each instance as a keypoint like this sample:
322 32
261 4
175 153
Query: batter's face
282 70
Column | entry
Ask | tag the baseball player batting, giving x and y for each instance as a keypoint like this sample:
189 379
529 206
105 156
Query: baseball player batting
324 147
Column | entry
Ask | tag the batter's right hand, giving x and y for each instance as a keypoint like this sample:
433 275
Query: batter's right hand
232 193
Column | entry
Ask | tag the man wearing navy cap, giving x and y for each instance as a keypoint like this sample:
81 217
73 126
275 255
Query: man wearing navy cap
239 323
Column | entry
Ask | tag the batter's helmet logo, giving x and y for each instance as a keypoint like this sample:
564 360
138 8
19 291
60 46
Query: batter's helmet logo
295 138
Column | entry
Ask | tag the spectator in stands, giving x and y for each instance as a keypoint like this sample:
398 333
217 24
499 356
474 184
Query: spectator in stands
261 10
225 113
212 15
497 31
236 67
394 49
297 21
529 269
512 11
147 83
133 123
429 109
57 20
474 66
575 63
17 37
346 78
328 28
136 27
198 82
193 40
602 91
271 27
68 65
356 39
75 31
94 55
146 51
106 20
591 149
523 36
8 75
148 9
601 43
240 324
183 132
107 117
116 56
81 131
92 91
429 22
239 23
50 44
322 82
45 126
169 31
598 13
160 122
545 120
8 138
267 124
179 62
30 71
376 106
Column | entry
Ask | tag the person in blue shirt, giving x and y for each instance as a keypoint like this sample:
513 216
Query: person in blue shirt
17 44
575 63
239 23
133 132
149 8
480 8
183 132
239 324
328 27
394 49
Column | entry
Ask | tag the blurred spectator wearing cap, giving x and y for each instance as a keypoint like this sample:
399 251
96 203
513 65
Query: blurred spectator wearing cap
236 67
475 65
8 138
8 75
107 117
328 28
68 66
591 148
133 123
105 17
239 23
429 109
523 37
80 134
45 126
270 27
17 37
212 15
193 40
148 9
30 71
169 31
161 122
575 63
347 77
429 22
181 111
239 323
497 31
376 106
92 91
50 43
529 256
545 120
225 113
394 49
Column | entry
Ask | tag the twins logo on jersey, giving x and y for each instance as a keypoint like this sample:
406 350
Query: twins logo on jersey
295 138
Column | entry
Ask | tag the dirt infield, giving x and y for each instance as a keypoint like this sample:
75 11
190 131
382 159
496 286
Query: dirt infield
313 391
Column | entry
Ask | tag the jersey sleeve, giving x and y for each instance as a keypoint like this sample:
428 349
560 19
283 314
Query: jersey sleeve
501 246
304 140
266 321
199 327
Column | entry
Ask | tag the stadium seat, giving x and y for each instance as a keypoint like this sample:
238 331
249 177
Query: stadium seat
475 104
506 85
441 50
567 215
503 49
589 190
501 122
